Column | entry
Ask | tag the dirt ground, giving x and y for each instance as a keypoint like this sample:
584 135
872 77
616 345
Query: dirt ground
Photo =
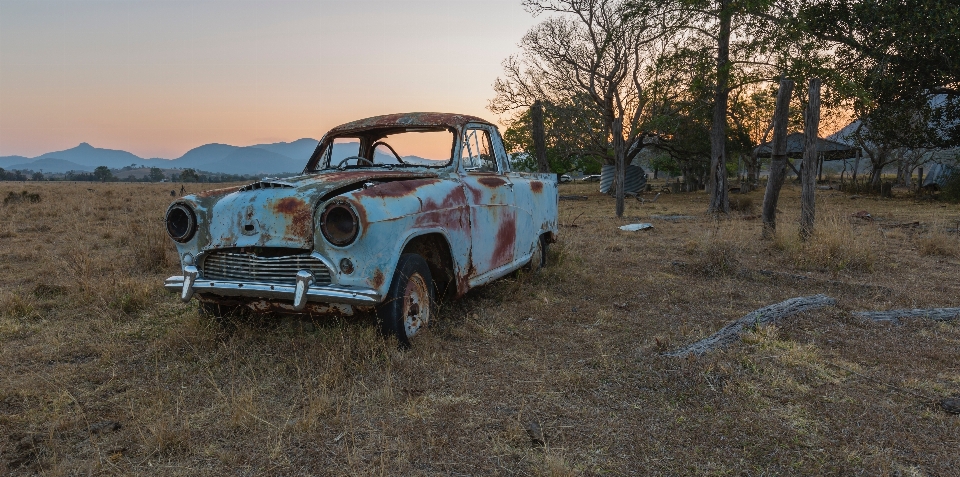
559 373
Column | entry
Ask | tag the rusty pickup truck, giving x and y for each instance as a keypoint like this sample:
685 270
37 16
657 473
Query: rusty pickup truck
390 214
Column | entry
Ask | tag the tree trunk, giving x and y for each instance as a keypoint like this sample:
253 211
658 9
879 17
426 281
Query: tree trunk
811 130
778 160
751 168
620 154
719 199
539 136
875 176
856 169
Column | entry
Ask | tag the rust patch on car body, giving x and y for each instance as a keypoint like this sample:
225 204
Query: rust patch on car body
288 205
463 281
396 189
216 192
378 279
477 194
300 216
452 213
347 177
536 187
492 181
506 236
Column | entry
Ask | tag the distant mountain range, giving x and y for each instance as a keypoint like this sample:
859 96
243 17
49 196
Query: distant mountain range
276 158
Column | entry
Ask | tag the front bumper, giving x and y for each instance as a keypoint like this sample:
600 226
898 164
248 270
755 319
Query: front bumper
187 285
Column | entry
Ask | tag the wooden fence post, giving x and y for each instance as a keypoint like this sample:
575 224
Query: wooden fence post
811 130
778 158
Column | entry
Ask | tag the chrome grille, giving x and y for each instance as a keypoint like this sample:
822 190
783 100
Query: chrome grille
251 268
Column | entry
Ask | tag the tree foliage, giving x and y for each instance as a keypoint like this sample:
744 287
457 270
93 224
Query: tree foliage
103 174
696 79
575 141
156 174
596 55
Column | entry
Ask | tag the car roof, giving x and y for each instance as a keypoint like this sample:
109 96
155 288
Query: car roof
402 120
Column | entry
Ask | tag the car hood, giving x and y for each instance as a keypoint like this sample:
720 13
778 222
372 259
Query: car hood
276 212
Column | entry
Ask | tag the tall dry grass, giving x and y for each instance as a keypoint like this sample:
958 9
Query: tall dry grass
89 339
836 245
938 242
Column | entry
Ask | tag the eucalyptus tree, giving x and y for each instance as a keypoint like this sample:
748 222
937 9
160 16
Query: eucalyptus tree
574 140
750 44
599 50
899 62
738 40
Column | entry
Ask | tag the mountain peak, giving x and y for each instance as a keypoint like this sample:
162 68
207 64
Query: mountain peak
85 145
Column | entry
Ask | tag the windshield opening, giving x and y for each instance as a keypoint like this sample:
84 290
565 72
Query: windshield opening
394 147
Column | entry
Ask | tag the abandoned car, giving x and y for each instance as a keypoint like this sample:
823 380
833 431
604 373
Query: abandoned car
390 214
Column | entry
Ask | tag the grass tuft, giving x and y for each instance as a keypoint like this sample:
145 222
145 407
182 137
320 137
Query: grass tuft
834 246
15 198
939 244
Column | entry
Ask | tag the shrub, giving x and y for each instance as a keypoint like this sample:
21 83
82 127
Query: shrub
15 198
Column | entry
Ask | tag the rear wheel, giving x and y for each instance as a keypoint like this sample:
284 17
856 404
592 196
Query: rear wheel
410 301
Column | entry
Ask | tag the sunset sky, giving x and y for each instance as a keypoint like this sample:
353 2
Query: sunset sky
160 77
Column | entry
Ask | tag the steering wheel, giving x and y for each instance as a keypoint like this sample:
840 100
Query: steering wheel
357 158
381 143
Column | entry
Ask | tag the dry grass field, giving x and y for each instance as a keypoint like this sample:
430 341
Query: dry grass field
105 373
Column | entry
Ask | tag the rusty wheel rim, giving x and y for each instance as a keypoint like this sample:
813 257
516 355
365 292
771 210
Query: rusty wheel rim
416 305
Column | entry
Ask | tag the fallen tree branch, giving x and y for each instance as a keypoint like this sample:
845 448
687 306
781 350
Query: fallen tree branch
936 314
767 314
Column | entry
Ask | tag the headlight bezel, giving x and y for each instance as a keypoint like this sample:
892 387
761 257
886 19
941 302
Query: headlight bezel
338 236
181 216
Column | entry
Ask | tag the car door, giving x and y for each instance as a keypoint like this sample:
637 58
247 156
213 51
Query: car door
493 219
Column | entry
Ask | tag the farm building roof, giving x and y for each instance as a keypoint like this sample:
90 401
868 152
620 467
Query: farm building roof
796 145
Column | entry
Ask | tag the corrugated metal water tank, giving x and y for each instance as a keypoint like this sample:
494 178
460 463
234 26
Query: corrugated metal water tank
636 179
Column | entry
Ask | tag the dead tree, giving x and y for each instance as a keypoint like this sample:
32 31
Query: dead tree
539 136
600 53
778 161
811 129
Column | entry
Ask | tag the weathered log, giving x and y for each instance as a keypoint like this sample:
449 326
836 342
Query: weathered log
768 314
936 314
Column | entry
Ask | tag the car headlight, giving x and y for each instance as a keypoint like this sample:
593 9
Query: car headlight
181 222
339 223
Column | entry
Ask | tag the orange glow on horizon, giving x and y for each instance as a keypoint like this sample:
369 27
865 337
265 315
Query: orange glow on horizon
160 78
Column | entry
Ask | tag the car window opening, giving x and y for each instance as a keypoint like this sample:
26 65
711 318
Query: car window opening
417 147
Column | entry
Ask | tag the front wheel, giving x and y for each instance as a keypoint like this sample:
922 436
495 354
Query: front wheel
410 301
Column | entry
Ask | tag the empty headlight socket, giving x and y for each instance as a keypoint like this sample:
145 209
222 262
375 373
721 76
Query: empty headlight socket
339 223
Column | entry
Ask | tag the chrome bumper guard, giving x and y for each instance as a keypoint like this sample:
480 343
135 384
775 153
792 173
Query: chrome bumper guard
188 284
